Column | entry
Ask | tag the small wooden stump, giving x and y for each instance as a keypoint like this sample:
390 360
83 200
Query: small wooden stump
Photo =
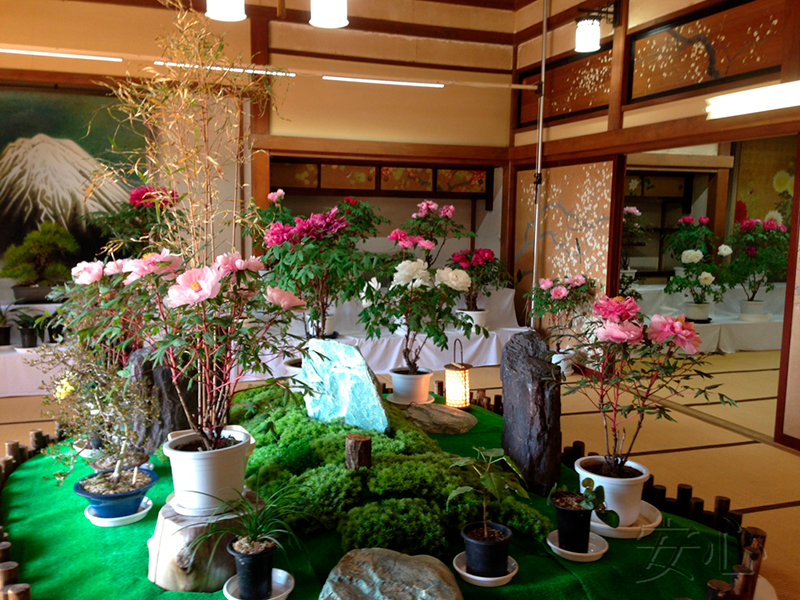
9 573
717 589
743 583
5 549
170 565
18 591
357 451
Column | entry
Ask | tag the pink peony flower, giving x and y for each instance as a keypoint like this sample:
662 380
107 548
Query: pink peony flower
686 220
621 333
85 273
424 207
406 243
162 263
275 197
782 227
615 309
545 284
193 286
747 224
447 211
426 244
751 251
477 260
465 264
703 220
632 210
253 264
682 333
150 196
575 280
284 299
559 292
770 225
457 257
226 263
115 267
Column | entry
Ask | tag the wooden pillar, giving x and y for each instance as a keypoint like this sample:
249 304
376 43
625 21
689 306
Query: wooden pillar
620 67
260 123
615 224
790 63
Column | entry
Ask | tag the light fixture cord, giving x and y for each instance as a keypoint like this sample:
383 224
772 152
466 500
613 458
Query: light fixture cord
538 180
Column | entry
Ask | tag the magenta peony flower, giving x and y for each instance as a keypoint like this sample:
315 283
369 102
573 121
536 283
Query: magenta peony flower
150 196
162 263
351 201
477 260
703 220
620 333
284 299
193 286
747 224
426 244
751 251
115 267
575 280
559 292
545 284
686 220
682 333
447 211
457 257
85 273
275 197
770 225
277 234
464 264
486 254
615 309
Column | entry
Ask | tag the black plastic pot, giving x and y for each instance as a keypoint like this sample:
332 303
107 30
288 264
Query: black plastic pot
55 333
5 335
487 558
28 337
255 573
573 527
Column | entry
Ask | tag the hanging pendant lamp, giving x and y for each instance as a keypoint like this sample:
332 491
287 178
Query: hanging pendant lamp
329 14
225 10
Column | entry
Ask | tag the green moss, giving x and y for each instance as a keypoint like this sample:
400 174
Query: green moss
408 525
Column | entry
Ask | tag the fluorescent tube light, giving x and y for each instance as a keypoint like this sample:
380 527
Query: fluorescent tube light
383 81
771 97
162 63
59 55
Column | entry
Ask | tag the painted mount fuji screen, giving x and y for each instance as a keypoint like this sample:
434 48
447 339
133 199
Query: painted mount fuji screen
48 152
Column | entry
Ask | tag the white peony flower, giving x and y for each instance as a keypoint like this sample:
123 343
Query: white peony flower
454 278
724 250
691 256
375 285
774 215
412 273
706 278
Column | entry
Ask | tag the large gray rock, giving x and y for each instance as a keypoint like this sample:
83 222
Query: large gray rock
531 410
438 418
381 574
344 386
171 416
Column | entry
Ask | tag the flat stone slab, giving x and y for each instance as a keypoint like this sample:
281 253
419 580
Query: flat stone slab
438 418
344 386
381 574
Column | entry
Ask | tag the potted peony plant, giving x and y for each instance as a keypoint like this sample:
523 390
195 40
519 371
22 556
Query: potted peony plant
759 252
636 364
564 303
427 230
634 233
486 273
317 258
486 543
690 234
700 281
574 514
37 264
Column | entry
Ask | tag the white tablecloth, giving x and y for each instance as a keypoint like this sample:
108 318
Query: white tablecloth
725 332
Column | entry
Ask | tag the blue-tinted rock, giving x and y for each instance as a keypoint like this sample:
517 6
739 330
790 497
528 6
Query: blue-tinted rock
345 386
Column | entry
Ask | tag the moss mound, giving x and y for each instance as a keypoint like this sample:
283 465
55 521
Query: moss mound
401 503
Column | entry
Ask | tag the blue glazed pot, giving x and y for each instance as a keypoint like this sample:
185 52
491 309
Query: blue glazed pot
111 506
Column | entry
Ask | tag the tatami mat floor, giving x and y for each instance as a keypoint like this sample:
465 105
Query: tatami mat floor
719 450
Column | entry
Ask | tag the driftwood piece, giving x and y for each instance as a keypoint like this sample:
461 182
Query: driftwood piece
9 573
357 451
170 566
18 591
717 589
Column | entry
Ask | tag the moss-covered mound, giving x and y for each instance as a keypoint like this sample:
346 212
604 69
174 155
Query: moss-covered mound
401 503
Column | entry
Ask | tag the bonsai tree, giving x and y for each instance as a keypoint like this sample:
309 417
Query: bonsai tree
39 259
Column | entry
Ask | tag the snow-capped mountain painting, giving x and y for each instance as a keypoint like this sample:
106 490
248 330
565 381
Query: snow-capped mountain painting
49 147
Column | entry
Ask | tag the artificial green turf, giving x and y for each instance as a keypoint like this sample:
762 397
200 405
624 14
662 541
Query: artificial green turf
62 555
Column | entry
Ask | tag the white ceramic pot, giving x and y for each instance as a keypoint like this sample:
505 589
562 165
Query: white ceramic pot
624 496
680 271
627 272
753 310
697 312
564 361
293 366
478 316
197 476
410 389
251 445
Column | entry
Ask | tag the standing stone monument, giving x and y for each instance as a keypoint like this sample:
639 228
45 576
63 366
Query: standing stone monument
344 386
531 410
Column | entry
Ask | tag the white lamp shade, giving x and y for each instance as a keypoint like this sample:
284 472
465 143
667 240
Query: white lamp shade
456 385
329 14
225 10
771 97
587 35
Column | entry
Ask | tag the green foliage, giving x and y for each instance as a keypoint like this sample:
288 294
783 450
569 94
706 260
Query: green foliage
760 255
520 516
38 258
485 271
689 235
700 280
592 499
408 525
634 232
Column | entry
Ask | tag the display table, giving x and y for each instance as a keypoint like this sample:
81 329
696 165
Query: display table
63 555
725 333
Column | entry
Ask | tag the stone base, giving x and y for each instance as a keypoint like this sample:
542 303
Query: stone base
438 418
171 566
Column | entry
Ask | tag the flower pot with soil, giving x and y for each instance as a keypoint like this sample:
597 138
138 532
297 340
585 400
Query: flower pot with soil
5 335
486 543
253 567
410 388
28 337
120 497
623 489
574 515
